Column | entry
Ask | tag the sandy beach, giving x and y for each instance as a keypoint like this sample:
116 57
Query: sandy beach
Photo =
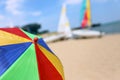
90 59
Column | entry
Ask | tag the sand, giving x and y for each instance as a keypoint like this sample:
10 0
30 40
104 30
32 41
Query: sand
90 59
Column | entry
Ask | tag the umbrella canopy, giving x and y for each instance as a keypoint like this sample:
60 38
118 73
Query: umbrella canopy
24 56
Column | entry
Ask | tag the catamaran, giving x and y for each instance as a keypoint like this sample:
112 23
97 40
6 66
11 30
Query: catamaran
85 18
64 30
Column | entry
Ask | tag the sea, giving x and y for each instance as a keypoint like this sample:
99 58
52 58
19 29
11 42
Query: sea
109 28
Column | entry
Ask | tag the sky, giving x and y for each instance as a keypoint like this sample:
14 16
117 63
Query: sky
47 12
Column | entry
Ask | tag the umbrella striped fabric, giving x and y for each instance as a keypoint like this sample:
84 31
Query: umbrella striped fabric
24 56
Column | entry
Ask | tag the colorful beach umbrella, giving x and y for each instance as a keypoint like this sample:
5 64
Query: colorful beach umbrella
24 56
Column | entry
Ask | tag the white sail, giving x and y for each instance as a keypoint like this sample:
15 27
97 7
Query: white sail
64 25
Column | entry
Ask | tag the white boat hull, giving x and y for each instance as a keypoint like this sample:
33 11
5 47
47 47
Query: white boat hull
54 38
86 33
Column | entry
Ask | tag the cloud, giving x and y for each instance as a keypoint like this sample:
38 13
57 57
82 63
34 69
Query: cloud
36 13
1 17
73 1
13 6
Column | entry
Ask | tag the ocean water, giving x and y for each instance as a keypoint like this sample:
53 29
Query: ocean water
110 28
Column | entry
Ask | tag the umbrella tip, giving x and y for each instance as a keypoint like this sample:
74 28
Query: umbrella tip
35 39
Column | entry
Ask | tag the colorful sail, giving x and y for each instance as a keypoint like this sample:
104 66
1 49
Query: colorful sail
85 16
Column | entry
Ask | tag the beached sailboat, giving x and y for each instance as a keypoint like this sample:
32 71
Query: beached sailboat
85 23
64 30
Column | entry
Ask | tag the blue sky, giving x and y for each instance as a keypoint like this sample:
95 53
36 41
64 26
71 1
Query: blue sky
47 12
